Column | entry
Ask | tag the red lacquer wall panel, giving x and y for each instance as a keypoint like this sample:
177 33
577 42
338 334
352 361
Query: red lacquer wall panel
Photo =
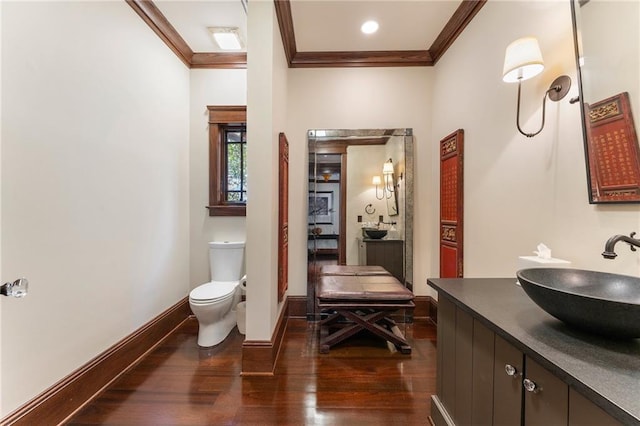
451 205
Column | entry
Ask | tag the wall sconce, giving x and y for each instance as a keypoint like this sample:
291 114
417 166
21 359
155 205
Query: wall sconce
388 187
522 61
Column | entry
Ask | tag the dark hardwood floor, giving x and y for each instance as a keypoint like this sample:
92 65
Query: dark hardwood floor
360 382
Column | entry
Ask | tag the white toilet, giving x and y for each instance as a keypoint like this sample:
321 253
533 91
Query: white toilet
214 303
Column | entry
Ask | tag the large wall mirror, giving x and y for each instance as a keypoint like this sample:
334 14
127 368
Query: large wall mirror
607 39
360 202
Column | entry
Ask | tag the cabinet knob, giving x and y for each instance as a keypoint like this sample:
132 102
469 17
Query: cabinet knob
530 386
511 370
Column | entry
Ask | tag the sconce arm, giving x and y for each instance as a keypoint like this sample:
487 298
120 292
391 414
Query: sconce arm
558 90
544 104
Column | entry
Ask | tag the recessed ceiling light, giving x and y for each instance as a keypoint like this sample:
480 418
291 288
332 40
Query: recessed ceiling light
369 27
227 38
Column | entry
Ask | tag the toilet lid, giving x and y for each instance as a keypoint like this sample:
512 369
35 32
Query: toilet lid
213 290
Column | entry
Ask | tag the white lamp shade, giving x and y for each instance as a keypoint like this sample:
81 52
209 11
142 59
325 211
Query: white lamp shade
376 180
522 60
387 169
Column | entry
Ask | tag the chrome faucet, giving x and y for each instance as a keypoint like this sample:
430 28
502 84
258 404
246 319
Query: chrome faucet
608 252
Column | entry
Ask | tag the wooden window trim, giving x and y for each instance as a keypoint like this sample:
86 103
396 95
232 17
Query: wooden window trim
218 117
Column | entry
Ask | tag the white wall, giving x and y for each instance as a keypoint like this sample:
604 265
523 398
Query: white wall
209 87
95 197
358 98
266 117
1 277
518 191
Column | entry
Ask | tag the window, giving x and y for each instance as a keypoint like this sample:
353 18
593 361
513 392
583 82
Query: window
227 160
235 162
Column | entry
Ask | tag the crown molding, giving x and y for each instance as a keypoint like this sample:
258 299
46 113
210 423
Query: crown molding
150 14
463 15
397 58
454 27
387 58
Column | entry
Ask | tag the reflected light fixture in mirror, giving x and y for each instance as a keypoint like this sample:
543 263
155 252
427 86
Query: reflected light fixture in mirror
388 187
522 61
377 182
387 172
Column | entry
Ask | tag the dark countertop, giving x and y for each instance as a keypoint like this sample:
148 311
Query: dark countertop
379 240
605 371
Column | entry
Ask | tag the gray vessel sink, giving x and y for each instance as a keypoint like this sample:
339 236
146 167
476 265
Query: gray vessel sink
596 302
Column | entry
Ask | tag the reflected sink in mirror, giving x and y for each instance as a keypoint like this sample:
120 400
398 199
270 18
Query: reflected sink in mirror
596 302
375 234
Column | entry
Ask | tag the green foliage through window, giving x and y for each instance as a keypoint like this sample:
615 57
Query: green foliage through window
235 143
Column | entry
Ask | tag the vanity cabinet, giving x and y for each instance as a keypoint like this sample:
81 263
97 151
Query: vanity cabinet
385 253
483 379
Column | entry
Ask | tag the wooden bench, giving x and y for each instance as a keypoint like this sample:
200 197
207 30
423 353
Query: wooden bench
364 301
353 270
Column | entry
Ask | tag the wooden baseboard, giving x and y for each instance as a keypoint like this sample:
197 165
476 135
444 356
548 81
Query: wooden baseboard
426 307
259 357
297 306
69 394
433 310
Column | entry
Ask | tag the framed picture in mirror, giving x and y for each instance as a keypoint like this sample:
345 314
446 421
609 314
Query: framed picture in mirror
321 207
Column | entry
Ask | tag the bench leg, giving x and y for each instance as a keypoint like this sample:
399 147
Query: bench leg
362 321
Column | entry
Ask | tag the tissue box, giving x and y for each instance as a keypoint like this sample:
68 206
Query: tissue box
525 262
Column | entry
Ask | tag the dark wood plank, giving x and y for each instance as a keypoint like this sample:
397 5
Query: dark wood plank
447 353
361 382
63 398
482 371
549 406
464 371
507 390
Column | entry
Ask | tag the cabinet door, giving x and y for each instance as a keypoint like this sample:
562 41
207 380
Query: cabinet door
583 412
548 403
482 373
446 380
507 388
464 363
387 254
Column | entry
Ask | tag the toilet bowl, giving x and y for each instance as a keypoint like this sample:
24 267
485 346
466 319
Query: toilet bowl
214 303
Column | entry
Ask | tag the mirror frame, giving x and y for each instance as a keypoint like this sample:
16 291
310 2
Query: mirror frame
365 137
578 49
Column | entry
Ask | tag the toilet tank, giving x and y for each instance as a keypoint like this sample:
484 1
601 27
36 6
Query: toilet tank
226 260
